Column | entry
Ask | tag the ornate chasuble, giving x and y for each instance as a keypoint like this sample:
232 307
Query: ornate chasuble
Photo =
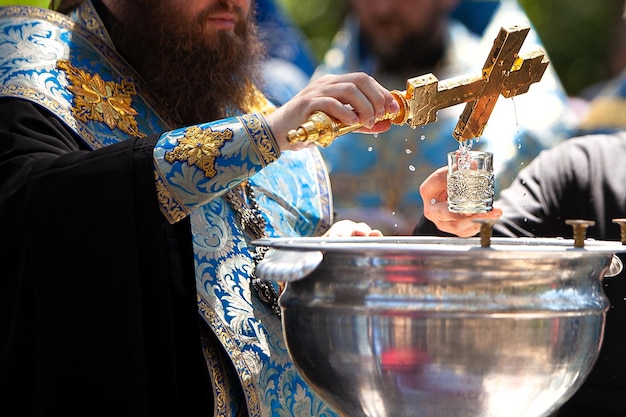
67 64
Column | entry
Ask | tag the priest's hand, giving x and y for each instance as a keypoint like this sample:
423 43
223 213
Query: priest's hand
347 228
350 98
434 193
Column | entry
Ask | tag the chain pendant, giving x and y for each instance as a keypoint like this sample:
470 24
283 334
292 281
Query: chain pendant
251 221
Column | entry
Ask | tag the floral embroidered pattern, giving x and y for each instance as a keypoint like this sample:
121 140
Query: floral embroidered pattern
102 101
172 210
261 137
200 148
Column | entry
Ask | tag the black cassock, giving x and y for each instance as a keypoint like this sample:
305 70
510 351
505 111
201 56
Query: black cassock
97 290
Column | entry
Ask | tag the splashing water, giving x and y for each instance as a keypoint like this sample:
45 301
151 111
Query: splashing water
464 149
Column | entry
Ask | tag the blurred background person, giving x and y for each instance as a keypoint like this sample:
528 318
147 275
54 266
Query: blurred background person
606 108
290 60
376 180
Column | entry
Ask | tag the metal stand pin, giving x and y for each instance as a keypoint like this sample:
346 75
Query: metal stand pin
580 231
622 226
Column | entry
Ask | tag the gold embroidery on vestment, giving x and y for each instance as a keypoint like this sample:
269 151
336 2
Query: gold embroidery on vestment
230 341
172 210
200 148
102 101
215 365
261 137
257 102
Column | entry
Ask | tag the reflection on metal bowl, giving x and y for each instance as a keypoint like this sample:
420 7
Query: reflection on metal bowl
441 326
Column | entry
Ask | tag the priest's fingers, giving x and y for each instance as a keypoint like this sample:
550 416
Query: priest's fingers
348 228
434 194
434 188
461 225
356 94
354 98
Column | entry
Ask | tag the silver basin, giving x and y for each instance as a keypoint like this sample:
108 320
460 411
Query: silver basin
427 327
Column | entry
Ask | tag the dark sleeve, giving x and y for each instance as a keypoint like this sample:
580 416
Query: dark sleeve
581 178
98 298
425 227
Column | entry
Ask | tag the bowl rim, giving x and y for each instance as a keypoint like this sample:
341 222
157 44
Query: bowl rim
436 244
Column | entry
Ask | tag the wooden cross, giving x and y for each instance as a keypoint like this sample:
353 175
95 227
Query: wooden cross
505 72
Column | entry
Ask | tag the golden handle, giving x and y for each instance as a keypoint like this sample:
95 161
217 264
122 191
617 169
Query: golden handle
322 129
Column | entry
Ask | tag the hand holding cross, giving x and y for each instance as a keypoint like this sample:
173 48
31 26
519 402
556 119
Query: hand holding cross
504 72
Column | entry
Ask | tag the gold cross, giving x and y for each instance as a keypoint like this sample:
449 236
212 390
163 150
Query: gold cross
505 72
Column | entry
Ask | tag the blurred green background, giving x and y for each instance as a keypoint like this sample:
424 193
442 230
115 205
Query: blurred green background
37 3
579 35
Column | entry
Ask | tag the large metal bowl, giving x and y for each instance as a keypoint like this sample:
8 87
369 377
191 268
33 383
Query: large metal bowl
441 326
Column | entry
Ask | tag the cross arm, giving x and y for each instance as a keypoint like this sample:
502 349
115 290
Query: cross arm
504 73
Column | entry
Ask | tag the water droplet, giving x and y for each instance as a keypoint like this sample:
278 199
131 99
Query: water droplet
422 137
376 135
408 151
370 149
412 168
433 201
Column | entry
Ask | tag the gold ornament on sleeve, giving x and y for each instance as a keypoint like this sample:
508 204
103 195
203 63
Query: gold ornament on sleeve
505 72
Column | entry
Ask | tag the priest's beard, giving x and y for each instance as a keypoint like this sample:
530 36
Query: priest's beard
417 53
198 77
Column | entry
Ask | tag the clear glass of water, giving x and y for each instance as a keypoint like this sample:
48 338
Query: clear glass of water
470 181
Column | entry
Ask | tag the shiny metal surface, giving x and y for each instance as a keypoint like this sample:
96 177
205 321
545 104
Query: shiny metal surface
441 326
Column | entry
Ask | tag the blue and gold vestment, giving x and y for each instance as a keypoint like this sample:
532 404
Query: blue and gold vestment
68 65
